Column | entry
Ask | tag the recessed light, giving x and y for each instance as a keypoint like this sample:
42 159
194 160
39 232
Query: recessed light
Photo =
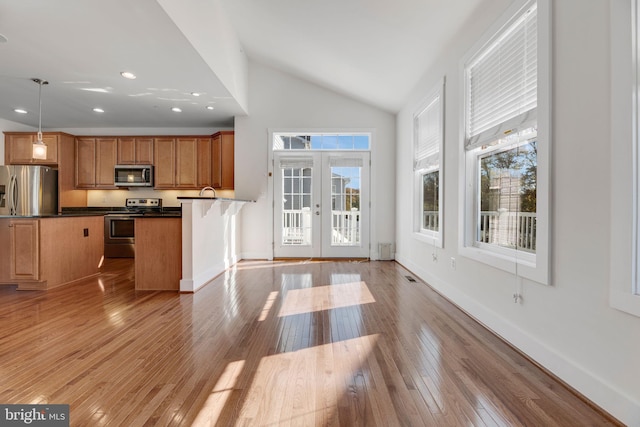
176 110
128 75
98 110
20 110
195 94
209 107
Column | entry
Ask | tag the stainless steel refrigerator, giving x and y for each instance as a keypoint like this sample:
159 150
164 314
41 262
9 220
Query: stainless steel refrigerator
28 190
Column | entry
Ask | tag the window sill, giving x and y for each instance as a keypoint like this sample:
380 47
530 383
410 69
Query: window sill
625 301
521 267
432 239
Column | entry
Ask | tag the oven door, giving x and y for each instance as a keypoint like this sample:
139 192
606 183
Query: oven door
119 236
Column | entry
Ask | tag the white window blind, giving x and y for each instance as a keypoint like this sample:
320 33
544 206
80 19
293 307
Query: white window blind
428 136
502 83
296 163
345 162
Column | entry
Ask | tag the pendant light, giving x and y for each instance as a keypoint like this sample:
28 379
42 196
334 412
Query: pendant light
39 148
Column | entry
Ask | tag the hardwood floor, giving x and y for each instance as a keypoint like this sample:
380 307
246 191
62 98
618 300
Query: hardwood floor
271 344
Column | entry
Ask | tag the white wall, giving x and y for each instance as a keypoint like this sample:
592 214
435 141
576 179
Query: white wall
208 29
278 101
568 327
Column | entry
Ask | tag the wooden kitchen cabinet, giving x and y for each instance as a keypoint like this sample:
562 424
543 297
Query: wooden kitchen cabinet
19 147
204 178
95 162
24 251
225 140
158 253
176 163
186 163
164 163
135 151
43 253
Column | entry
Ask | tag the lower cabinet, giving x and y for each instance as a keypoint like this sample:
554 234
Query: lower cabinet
24 246
158 253
47 252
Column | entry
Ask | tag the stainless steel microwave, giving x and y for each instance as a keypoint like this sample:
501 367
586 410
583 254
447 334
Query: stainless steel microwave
134 176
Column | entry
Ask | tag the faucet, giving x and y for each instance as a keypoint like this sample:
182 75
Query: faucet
208 188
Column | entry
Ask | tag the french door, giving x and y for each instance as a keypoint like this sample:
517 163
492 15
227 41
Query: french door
321 204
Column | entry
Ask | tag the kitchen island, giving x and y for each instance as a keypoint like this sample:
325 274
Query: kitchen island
48 251
210 235
158 253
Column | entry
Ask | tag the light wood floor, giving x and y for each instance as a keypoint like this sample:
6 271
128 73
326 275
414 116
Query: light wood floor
270 344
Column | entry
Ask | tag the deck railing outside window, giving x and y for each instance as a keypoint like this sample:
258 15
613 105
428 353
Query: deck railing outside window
508 229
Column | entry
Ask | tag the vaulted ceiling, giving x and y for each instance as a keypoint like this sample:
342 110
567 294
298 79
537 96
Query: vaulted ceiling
371 50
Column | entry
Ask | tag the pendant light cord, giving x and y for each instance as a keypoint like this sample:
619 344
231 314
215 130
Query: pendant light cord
40 83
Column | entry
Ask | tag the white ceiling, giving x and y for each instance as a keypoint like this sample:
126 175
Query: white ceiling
372 50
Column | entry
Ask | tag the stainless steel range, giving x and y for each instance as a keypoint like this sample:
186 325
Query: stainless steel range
119 227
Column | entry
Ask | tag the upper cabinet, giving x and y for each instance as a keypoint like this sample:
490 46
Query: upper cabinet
19 146
226 160
95 162
175 163
135 151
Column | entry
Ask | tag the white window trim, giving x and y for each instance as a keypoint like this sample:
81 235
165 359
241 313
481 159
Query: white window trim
538 270
625 142
434 238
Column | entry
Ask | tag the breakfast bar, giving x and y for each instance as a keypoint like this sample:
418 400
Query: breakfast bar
209 238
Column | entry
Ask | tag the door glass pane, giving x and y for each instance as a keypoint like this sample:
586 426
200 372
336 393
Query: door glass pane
345 206
296 206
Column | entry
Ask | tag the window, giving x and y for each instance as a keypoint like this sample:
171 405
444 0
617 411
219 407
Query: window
506 144
428 141
321 141
624 291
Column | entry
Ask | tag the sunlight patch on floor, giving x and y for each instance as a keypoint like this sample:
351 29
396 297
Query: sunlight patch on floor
299 301
306 387
210 412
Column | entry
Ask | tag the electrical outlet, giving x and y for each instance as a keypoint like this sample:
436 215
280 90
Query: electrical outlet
453 263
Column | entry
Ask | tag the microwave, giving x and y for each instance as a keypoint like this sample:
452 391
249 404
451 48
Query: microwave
134 176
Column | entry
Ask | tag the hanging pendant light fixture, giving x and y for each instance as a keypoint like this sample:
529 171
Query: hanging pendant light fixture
39 149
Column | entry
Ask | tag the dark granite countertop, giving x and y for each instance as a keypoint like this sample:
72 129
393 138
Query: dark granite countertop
225 199
171 211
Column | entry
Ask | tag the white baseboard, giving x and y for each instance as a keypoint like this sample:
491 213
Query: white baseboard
593 388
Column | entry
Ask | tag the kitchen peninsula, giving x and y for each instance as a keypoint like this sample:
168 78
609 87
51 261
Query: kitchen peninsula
209 238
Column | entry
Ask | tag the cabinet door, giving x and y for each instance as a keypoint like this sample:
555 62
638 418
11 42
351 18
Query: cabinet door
126 151
204 162
23 241
216 161
19 148
144 151
164 162
85 162
135 151
227 161
106 156
186 162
